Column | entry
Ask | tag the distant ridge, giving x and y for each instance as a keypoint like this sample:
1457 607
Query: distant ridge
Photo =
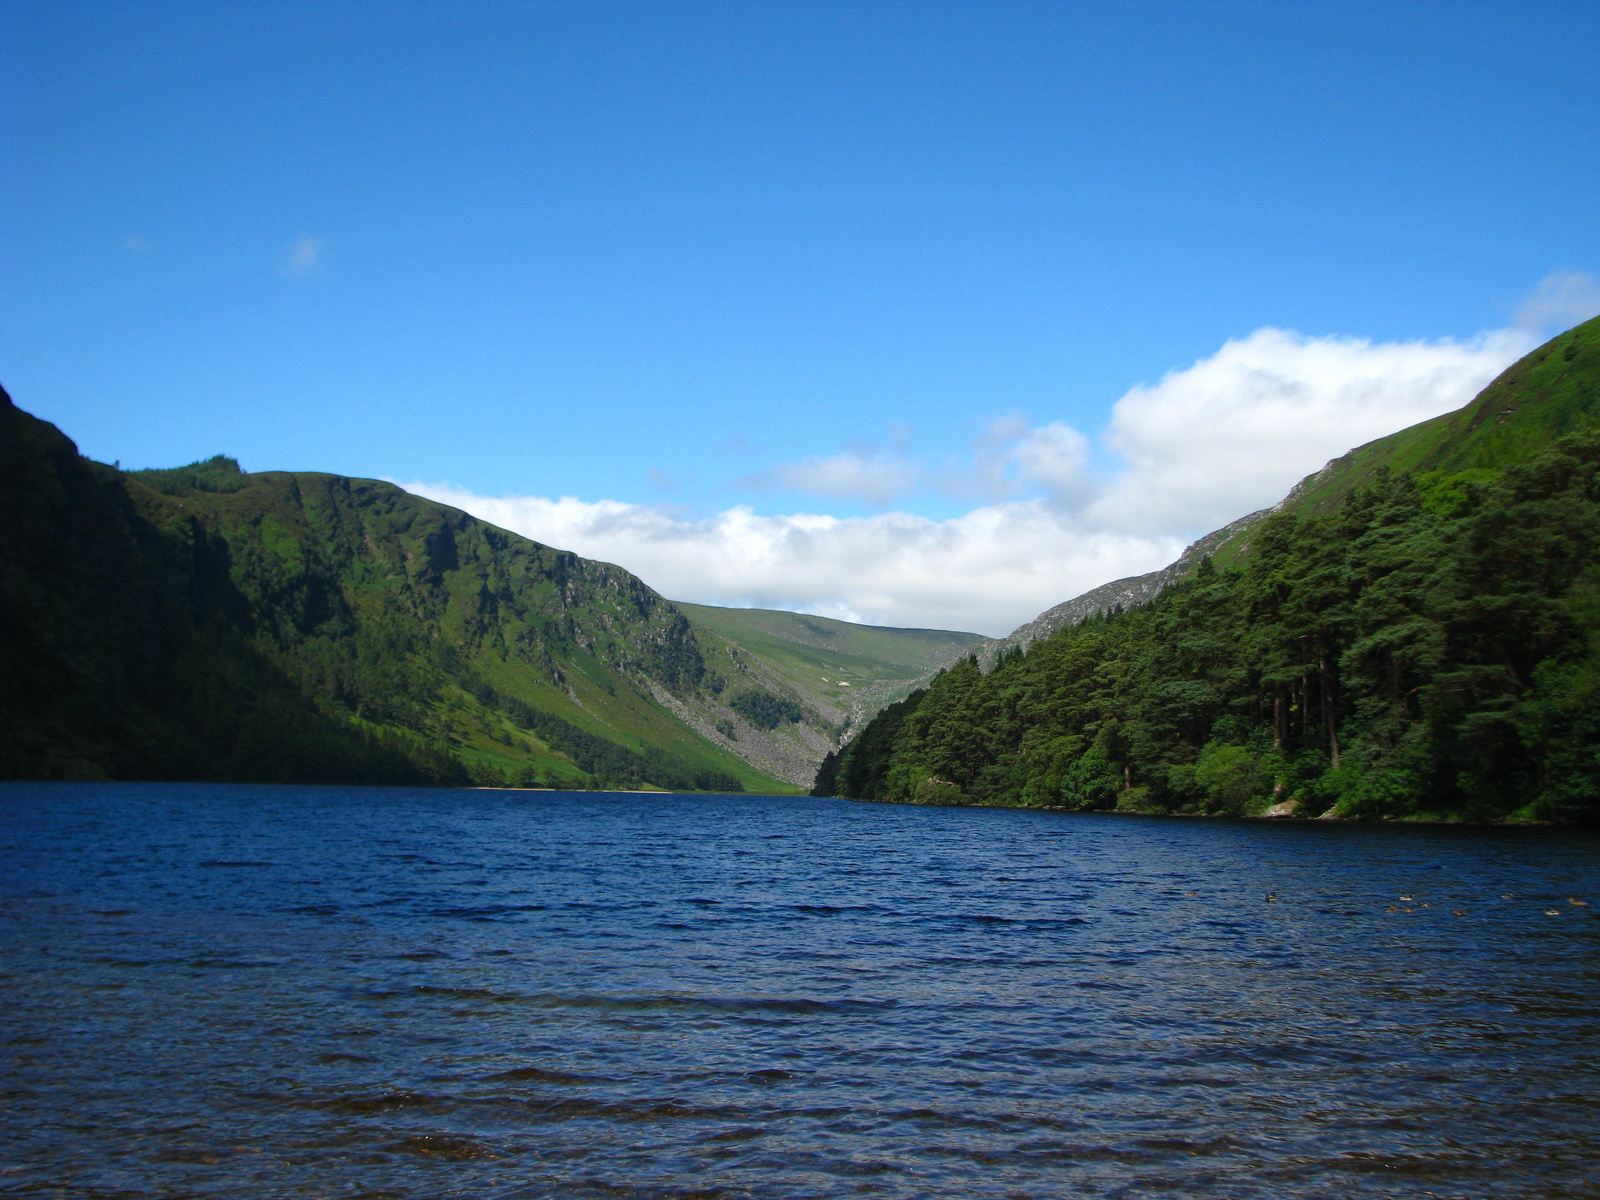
843 672
1119 593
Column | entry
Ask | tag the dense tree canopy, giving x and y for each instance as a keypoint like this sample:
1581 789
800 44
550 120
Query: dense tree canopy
1430 649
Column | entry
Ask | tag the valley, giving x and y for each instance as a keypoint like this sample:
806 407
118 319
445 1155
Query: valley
203 622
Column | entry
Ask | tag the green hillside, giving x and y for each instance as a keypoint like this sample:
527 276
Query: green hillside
836 665
206 623
1534 401
1414 635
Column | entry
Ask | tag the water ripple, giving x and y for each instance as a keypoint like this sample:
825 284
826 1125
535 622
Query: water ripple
315 992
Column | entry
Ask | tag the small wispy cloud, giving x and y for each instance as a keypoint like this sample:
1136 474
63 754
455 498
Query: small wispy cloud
1562 299
137 244
1053 459
304 254
874 475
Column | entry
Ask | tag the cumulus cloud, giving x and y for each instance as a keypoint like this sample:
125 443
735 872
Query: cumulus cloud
1201 447
1235 431
304 254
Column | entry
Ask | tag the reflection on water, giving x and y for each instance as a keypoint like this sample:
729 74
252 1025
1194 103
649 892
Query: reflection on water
326 992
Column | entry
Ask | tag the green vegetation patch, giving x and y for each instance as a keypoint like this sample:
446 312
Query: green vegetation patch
1428 650
205 623
829 664
219 475
763 709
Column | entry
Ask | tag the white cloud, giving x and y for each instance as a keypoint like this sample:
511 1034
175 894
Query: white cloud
304 254
1201 447
1235 431
1055 459
986 571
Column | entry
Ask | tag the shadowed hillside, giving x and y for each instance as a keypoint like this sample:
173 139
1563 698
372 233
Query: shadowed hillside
206 623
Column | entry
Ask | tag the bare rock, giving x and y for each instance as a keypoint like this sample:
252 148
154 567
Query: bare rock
1288 808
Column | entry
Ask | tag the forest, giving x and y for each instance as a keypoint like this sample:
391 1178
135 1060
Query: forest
1429 649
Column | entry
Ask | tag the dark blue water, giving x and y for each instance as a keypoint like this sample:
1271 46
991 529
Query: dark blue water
319 992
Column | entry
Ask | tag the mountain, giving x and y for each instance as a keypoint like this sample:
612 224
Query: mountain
1537 398
1414 632
841 672
208 623
1117 595
1531 403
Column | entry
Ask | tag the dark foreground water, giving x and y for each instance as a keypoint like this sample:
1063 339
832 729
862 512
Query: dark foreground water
320 992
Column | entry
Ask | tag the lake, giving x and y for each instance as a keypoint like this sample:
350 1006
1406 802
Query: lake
385 993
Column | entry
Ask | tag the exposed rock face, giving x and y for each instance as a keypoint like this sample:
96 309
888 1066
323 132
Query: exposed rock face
838 673
1289 808
791 751
1141 589
1120 593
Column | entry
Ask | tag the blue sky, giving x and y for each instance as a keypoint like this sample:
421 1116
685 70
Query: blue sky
755 256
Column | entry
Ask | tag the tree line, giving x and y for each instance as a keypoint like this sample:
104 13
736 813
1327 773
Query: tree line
1429 650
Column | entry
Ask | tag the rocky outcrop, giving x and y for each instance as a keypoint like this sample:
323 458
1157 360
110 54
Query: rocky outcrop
1279 812
1118 594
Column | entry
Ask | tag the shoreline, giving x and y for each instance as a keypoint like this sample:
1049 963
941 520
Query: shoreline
1275 820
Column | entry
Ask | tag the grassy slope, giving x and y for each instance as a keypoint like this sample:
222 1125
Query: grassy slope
565 636
1531 403
835 663
205 623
